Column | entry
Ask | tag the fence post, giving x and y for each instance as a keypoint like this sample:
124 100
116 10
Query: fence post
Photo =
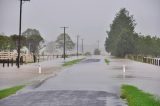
16 61
12 62
43 57
3 63
34 58
21 60
8 62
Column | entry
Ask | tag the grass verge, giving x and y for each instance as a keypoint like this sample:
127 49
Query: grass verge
9 91
137 97
69 63
106 61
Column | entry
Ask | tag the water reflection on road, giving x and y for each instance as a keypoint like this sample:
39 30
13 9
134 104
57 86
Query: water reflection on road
92 77
94 74
145 76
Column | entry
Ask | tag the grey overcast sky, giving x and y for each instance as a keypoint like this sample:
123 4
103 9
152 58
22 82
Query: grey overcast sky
88 18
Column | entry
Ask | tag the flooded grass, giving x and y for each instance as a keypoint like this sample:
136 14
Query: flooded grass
137 97
9 91
106 61
69 63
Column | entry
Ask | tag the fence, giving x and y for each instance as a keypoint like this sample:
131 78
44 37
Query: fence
28 57
150 60
7 55
12 56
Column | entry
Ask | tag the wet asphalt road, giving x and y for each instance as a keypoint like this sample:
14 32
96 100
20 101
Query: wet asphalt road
89 83
59 98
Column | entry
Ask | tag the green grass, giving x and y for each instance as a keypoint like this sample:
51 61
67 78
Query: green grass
106 61
69 63
9 91
137 97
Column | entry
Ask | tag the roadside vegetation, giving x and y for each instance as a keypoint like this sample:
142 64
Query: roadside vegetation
137 97
97 52
9 91
106 61
31 38
69 63
122 39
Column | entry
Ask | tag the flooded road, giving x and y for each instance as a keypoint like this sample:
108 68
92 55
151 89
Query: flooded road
93 77
143 75
94 74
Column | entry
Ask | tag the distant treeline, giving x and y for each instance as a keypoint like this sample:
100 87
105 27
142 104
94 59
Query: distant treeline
122 40
30 38
10 42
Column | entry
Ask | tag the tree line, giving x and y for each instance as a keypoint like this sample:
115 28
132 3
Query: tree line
122 39
30 38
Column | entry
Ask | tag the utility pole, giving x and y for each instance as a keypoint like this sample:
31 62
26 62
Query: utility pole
82 46
77 44
98 44
64 53
19 37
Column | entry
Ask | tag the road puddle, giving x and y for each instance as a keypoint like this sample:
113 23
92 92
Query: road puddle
90 60
122 76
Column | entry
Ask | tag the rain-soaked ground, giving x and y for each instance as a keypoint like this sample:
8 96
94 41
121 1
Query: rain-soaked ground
89 83
60 98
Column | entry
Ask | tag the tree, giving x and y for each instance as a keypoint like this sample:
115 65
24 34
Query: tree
51 47
97 52
147 45
121 33
69 43
87 54
14 41
4 43
33 39
125 45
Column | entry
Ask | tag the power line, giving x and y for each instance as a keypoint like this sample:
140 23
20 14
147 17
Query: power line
98 44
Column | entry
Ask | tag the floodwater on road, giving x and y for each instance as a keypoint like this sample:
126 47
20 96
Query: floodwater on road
91 77
143 75
94 74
